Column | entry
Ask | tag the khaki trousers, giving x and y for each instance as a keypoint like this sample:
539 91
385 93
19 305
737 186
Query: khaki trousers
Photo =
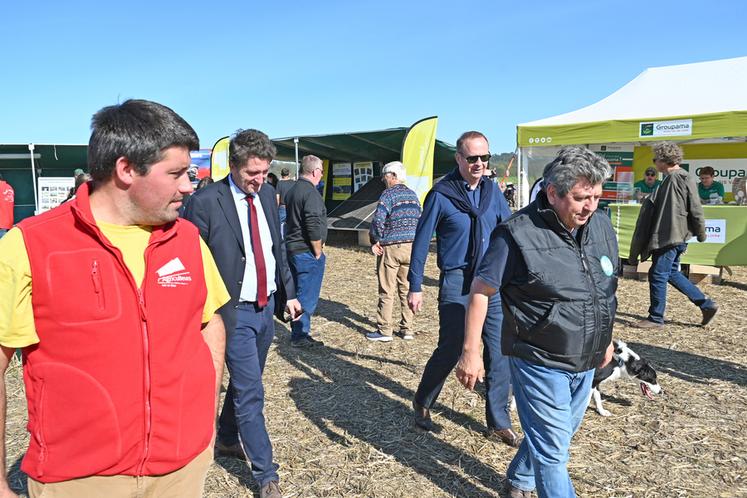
187 482
392 268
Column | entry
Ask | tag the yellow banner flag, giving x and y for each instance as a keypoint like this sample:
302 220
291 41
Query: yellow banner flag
417 155
219 159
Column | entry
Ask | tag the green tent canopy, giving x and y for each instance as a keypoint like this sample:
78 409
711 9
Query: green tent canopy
381 145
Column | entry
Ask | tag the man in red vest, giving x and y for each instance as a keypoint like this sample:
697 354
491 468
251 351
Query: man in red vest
7 201
122 348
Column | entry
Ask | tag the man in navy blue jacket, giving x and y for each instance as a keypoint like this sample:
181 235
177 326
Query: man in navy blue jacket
462 209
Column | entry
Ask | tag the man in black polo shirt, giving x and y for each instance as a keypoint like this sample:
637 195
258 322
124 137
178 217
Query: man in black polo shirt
305 234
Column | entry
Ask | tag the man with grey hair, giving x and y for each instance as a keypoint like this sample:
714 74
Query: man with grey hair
555 266
670 217
305 234
392 232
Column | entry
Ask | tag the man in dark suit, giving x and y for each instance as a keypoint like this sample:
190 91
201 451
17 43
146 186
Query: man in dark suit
238 219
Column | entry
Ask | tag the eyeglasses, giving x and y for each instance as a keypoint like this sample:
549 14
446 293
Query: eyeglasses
473 159
650 174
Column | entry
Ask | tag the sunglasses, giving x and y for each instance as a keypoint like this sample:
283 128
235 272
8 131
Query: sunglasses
473 159
650 174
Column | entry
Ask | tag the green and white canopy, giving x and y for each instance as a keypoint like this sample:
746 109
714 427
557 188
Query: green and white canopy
705 102
683 102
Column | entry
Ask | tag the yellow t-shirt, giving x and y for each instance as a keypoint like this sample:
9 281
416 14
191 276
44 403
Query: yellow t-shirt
17 328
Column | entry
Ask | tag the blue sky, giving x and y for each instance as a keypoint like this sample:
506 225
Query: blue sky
295 68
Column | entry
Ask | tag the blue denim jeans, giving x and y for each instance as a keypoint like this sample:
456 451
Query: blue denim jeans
551 405
665 268
452 304
246 354
308 273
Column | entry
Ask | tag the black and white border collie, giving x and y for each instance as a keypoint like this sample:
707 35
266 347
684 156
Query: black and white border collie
625 364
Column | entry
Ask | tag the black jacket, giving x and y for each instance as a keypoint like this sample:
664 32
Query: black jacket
306 217
669 216
561 314
213 210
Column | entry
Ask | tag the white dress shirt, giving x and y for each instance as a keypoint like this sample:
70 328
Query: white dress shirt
249 281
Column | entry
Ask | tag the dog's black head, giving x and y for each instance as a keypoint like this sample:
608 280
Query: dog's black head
642 371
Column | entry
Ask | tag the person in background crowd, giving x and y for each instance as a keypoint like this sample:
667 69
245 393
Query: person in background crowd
392 232
204 182
272 179
648 184
122 390
305 235
79 180
554 264
7 203
462 209
238 218
668 219
709 190
283 186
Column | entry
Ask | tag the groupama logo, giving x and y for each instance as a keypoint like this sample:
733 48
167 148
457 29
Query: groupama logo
647 129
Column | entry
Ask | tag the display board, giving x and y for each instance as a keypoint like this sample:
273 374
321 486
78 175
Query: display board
53 191
726 228
342 181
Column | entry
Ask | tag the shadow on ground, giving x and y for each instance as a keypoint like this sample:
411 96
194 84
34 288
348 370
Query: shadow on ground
345 400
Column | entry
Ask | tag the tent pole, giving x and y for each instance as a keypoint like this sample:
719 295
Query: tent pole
519 175
295 142
33 179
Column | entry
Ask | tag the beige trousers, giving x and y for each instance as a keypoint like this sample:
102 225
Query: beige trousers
187 482
392 268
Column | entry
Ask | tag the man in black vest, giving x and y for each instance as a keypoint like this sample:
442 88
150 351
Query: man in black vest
555 264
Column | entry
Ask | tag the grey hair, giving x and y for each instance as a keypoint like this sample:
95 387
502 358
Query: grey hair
668 152
573 164
309 164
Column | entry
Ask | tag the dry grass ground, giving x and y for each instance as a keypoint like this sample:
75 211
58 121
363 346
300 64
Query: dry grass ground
340 420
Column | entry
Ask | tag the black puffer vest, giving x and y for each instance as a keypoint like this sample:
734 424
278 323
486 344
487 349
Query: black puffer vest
561 313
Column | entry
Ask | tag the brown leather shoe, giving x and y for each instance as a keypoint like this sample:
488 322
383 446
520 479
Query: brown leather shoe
647 324
505 436
229 450
512 492
270 490
423 418
708 315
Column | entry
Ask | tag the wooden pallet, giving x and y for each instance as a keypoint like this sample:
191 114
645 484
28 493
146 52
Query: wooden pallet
697 274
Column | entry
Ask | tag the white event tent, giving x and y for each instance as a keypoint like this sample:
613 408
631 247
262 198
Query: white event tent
705 102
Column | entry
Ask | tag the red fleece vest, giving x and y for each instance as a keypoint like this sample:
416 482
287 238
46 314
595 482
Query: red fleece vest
121 381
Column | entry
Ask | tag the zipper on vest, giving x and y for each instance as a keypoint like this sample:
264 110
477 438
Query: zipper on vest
96 277
40 431
146 362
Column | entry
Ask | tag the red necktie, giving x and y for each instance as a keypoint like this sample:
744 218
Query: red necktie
259 256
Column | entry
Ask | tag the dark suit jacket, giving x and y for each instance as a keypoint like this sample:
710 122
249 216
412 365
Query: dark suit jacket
213 210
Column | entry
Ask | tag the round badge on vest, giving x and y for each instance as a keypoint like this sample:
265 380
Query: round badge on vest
607 267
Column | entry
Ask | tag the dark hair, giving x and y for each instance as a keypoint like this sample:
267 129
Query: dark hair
204 181
468 135
249 143
139 130
272 179
285 172
707 170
